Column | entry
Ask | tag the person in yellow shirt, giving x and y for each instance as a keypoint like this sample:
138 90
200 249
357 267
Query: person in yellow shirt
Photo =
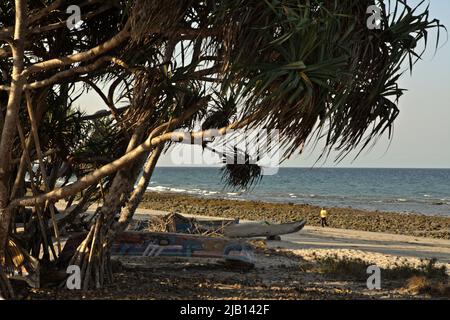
323 217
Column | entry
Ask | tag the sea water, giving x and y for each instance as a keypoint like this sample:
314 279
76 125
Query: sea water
424 191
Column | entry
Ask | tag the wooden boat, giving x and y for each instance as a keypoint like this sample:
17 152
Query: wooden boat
153 244
181 245
178 223
262 229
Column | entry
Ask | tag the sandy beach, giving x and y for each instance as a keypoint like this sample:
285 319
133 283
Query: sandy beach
383 249
314 263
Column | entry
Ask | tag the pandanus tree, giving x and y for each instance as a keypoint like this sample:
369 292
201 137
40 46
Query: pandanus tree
309 69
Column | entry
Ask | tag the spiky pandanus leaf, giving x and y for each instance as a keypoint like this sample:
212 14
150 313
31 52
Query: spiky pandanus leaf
316 65
241 176
221 113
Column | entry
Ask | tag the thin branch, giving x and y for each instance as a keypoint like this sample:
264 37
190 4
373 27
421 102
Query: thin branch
63 24
45 11
57 78
105 99
37 144
82 56
34 189
102 114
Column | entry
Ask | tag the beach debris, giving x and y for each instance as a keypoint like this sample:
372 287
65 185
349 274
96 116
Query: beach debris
177 223
20 265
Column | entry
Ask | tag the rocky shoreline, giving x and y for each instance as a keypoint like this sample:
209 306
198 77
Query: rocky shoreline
343 218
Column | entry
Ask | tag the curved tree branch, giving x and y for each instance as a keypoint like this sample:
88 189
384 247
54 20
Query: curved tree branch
60 76
123 161
82 56
105 99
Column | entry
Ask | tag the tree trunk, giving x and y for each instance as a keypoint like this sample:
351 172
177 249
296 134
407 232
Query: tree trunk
136 197
93 254
9 133
20 176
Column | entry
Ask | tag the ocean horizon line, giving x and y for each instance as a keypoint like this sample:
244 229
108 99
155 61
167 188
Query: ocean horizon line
312 167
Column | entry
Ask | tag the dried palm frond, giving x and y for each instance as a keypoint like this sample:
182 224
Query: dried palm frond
221 113
20 265
177 223
156 16
240 176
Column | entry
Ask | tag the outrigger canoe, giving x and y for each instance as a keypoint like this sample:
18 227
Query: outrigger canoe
181 245
164 244
262 229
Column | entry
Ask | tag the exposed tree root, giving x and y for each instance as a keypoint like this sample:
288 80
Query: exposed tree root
93 257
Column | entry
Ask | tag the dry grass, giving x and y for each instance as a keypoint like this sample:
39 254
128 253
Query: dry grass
426 279
430 287
357 268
